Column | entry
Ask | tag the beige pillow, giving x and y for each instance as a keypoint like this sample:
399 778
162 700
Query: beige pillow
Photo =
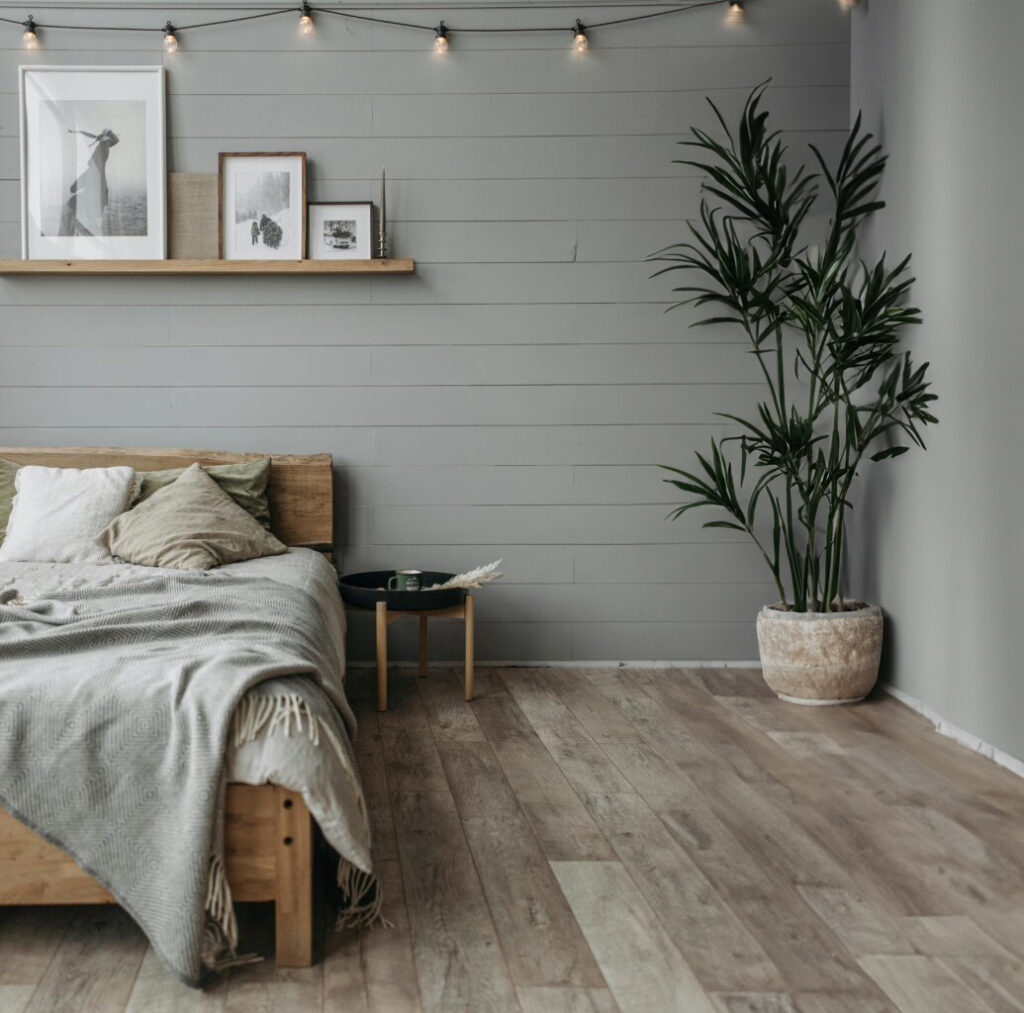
192 524
245 482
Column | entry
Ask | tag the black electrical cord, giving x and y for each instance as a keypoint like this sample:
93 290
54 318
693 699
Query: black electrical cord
350 13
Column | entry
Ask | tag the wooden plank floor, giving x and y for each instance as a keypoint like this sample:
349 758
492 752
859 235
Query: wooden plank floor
586 841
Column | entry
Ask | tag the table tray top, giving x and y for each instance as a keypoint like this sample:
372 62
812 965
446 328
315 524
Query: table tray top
364 590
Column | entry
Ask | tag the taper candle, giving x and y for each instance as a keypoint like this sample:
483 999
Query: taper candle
382 238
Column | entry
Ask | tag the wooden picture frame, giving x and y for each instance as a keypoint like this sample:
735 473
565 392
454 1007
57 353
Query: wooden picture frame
231 243
362 215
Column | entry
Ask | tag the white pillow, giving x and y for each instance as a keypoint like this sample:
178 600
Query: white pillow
59 513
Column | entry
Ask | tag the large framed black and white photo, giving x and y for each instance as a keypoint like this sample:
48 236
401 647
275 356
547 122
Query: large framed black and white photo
93 163
262 213
341 231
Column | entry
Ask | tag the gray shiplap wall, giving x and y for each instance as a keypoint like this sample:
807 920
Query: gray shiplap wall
510 399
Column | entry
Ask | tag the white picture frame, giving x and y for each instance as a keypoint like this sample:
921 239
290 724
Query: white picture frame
93 163
262 205
341 230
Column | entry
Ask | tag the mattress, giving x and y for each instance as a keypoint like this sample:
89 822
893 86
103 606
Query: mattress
291 761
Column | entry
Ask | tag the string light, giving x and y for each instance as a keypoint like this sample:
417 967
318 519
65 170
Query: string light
441 39
737 15
580 42
442 33
30 37
170 39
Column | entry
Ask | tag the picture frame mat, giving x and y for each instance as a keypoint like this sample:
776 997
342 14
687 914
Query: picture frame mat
261 161
364 211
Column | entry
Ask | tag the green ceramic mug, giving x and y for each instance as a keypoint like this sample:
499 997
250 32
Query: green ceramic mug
405 580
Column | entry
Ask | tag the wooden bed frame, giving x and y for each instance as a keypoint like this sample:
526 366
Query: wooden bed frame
269 832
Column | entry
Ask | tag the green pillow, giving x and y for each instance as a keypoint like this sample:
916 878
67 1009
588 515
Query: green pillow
245 483
8 469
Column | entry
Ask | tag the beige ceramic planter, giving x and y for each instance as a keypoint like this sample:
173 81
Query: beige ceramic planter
820 657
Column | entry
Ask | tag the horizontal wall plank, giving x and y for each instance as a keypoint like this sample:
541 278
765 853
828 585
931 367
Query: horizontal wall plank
412 486
348 446
677 641
717 362
609 444
433 406
632 483
738 563
318 71
556 114
235 323
533 525
611 156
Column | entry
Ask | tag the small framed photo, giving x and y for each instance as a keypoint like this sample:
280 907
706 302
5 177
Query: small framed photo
341 231
262 214
93 179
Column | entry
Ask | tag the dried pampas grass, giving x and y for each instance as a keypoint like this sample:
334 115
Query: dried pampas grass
472 578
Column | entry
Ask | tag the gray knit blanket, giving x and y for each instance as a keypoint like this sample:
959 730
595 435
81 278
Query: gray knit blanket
115 707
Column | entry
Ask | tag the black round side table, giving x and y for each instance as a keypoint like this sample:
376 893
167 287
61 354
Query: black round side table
366 592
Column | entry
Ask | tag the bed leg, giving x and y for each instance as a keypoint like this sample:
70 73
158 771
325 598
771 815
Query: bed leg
293 905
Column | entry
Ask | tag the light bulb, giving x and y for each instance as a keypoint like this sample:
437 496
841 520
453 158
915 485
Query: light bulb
580 42
737 15
441 39
306 26
29 36
847 5
170 39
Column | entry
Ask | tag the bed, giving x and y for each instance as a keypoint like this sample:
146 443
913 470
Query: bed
269 832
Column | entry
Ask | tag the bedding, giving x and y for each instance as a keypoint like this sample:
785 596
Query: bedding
58 513
149 773
191 524
245 482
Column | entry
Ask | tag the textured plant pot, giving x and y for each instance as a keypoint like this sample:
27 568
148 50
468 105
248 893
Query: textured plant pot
820 657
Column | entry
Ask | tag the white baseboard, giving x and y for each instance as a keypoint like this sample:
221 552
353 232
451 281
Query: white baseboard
568 664
944 727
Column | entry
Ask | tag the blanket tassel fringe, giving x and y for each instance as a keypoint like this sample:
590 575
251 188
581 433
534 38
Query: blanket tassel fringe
362 899
256 715
220 940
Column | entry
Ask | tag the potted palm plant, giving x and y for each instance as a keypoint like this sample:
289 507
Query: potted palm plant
824 328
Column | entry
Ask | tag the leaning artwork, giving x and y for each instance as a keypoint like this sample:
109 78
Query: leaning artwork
93 163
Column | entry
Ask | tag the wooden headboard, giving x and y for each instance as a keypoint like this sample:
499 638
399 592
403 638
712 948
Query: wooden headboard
300 488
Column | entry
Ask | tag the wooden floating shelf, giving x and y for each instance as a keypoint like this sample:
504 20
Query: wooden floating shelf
389 265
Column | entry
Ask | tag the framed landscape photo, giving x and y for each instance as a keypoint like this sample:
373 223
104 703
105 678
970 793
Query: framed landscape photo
93 180
262 214
341 231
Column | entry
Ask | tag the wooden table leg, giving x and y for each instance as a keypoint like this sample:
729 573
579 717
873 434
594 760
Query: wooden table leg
469 646
382 655
424 644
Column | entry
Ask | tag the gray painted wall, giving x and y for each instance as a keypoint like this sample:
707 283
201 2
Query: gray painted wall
510 399
941 81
